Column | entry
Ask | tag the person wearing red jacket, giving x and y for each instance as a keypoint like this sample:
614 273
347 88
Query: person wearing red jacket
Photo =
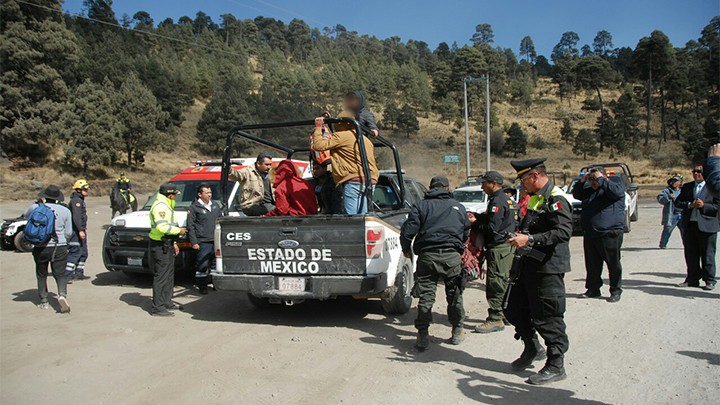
294 196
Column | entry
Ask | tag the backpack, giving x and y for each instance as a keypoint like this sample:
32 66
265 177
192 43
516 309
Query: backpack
40 226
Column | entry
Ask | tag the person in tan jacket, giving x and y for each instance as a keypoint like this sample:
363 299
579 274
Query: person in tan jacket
255 196
347 168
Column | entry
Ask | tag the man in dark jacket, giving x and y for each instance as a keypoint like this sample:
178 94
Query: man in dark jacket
437 227
201 230
355 101
536 299
699 225
77 245
603 223
501 217
329 195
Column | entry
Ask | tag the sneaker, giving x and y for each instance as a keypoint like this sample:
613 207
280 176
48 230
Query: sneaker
175 307
64 305
709 287
82 277
458 335
203 290
614 298
163 314
591 294
423 340
43 305
490 327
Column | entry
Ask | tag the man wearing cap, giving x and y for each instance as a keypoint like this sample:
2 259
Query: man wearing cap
53 252
78 250
437 228
501 220
536 301
670 214
163 248
603 223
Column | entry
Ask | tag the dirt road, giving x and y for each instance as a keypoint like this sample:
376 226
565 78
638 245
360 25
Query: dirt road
659 345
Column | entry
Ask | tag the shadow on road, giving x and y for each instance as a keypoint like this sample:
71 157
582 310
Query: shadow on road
712 358
118 278
490 390
31 296
675 292
664 275
645 248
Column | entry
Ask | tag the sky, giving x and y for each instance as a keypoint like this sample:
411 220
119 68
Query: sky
455 20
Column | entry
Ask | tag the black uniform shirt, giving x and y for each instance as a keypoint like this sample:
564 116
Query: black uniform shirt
79 212
501 219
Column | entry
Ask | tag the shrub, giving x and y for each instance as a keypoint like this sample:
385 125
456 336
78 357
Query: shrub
663 160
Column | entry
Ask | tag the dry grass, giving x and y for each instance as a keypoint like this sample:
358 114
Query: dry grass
420 154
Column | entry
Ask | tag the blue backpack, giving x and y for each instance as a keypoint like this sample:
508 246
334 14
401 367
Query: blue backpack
40 225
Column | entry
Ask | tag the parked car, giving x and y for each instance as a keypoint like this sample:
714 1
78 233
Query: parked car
472 197
11 235
126 242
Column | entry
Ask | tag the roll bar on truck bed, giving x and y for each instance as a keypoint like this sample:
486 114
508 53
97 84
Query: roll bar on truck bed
241 131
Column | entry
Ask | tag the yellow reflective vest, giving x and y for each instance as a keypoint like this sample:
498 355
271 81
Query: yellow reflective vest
162 218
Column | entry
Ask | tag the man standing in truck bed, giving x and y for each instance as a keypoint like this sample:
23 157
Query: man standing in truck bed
255 196
439 226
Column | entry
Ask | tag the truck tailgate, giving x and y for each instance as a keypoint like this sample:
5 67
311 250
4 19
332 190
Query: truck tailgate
318 245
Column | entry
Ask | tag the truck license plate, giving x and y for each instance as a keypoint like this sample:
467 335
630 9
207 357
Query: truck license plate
135 261
291 284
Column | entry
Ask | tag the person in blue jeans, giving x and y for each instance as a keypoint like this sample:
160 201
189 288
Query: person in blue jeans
670 214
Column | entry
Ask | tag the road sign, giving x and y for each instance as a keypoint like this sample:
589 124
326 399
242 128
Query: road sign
451 159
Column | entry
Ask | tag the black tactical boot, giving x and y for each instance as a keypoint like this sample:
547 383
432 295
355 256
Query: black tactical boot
553 371
423 340
458 335
533 351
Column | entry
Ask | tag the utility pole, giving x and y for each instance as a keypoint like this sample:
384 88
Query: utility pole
467 80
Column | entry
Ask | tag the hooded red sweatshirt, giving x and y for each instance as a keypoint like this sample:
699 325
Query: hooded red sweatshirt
293 195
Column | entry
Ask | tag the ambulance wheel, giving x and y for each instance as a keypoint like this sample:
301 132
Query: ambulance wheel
21 244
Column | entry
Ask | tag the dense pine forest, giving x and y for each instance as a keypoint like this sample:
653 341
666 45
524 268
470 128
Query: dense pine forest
102 89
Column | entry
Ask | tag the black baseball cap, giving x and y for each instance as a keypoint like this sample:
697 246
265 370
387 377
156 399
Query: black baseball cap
439 181
491 176
169 188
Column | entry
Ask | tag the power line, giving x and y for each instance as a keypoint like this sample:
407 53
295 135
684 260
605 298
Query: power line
152 34
276 7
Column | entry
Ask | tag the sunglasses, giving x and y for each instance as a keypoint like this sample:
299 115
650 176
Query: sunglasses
697 171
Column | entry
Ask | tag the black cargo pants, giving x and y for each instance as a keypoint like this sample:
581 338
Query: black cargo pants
432 267
162 254
537 303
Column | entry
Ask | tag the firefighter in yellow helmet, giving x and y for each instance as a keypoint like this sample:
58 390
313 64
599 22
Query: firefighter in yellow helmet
77 245
164 232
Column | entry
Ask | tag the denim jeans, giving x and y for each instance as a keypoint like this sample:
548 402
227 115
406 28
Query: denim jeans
668 229
354 201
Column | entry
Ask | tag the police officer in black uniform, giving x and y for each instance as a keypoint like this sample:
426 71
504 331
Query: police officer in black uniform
536 301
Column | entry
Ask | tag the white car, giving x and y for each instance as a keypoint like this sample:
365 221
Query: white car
472 197
11 235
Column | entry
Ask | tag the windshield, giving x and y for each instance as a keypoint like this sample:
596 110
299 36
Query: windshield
469 196
188 190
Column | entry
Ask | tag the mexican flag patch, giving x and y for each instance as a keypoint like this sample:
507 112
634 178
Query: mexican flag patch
495 209
556 206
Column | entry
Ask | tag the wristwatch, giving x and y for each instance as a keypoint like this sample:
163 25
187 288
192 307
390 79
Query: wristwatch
531 241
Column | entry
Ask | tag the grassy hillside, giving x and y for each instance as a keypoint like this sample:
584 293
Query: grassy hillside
421 154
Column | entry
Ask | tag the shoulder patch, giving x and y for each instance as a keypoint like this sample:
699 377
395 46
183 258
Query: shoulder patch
77 204
555 206
161 214
494 209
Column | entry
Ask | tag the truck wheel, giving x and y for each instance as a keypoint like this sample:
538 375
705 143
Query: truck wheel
628 222
636 214
259 303
21 244
398 298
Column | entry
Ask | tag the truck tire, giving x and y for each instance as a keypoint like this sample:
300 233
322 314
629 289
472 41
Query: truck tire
636 214
259 303
21 244
398 298
628 222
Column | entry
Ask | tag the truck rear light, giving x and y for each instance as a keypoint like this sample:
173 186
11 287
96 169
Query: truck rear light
218 252
374 241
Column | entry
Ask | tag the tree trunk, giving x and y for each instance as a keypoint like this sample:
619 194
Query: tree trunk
129 149
663 110
602 117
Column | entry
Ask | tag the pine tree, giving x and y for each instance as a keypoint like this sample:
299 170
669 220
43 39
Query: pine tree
627 118
567 132
140 115
92 128
517 140
227 109
585 143
407 121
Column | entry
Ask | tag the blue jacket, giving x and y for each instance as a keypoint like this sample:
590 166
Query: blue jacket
666 198
603 210
712 175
